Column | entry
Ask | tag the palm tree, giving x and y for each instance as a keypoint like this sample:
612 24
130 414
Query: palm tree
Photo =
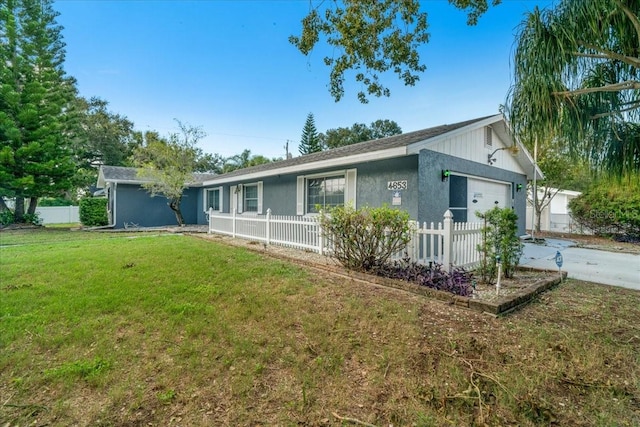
576 75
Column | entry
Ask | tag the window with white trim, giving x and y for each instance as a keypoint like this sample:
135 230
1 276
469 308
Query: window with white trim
213 199
325 191
246 198
250 198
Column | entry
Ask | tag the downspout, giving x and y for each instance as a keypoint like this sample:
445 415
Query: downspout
115 205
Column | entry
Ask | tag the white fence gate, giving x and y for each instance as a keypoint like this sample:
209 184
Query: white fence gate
448 243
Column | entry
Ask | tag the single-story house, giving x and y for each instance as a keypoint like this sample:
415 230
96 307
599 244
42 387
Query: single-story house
129 204
466 167
556 215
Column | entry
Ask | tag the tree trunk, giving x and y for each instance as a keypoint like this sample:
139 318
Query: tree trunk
33 204
3 205
18 212
174 204
538 216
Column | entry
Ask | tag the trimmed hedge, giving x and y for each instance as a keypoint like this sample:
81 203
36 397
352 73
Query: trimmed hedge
93 212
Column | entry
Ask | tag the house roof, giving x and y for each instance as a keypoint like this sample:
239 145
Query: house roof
125 175
392 146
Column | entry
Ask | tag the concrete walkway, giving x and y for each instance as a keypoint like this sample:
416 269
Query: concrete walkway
609 268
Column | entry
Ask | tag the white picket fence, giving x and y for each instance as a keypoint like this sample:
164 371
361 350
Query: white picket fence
448 243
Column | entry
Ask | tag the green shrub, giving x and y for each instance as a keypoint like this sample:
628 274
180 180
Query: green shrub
33 218
58 201
6 217
93 211
500 238
365 238
609 208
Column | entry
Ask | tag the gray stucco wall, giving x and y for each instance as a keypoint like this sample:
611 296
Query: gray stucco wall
279 192
434 193
426 198
135 205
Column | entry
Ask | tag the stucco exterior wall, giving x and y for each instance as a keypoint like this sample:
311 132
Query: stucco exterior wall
434 193
280 192
135 206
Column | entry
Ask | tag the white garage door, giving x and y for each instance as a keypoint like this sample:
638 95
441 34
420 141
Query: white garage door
484 195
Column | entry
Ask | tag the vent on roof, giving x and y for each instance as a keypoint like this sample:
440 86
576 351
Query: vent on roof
488 137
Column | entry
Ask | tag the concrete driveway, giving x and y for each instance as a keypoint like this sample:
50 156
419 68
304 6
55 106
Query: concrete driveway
609 268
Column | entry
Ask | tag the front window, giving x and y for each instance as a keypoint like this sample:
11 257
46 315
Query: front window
250 201
325 193
213 199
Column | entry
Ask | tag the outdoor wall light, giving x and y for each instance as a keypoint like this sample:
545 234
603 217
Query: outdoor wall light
445 174
518 187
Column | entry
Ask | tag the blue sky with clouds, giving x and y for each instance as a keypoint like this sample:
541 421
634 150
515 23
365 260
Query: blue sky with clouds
228 67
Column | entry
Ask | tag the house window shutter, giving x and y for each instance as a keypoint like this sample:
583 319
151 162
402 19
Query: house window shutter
240 198
260 197
300 196
350 187
205 202
233 198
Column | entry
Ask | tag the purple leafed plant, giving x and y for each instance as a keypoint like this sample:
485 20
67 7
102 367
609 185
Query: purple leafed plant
457 282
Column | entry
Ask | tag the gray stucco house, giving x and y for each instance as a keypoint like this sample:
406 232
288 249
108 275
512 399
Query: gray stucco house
128 203
466 167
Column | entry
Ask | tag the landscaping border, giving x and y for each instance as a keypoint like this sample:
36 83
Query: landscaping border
500 306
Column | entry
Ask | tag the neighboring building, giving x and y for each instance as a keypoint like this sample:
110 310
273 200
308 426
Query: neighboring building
129 204
466 167
556 216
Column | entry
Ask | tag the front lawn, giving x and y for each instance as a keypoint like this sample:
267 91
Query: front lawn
153 329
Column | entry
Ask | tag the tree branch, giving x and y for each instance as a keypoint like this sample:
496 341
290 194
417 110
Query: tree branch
635 106
607 54
352 420
632 17
614 87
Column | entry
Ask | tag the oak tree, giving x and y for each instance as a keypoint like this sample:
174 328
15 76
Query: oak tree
372 38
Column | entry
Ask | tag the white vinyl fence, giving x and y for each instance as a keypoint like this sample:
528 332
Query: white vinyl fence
448 243
59 214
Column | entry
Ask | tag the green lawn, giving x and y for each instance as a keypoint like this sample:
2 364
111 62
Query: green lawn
136 329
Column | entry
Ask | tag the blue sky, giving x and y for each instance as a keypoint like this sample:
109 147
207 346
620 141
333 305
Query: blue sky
227 66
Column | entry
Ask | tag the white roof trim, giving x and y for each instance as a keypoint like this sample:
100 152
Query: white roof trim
306 167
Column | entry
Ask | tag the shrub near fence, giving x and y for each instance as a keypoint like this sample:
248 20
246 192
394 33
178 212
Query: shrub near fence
93 212
446 243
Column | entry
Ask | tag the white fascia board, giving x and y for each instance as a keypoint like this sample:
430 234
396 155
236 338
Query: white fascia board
417 146
306 167
126 181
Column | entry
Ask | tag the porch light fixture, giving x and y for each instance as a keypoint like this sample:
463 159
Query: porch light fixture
445 174
518 187
514 150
